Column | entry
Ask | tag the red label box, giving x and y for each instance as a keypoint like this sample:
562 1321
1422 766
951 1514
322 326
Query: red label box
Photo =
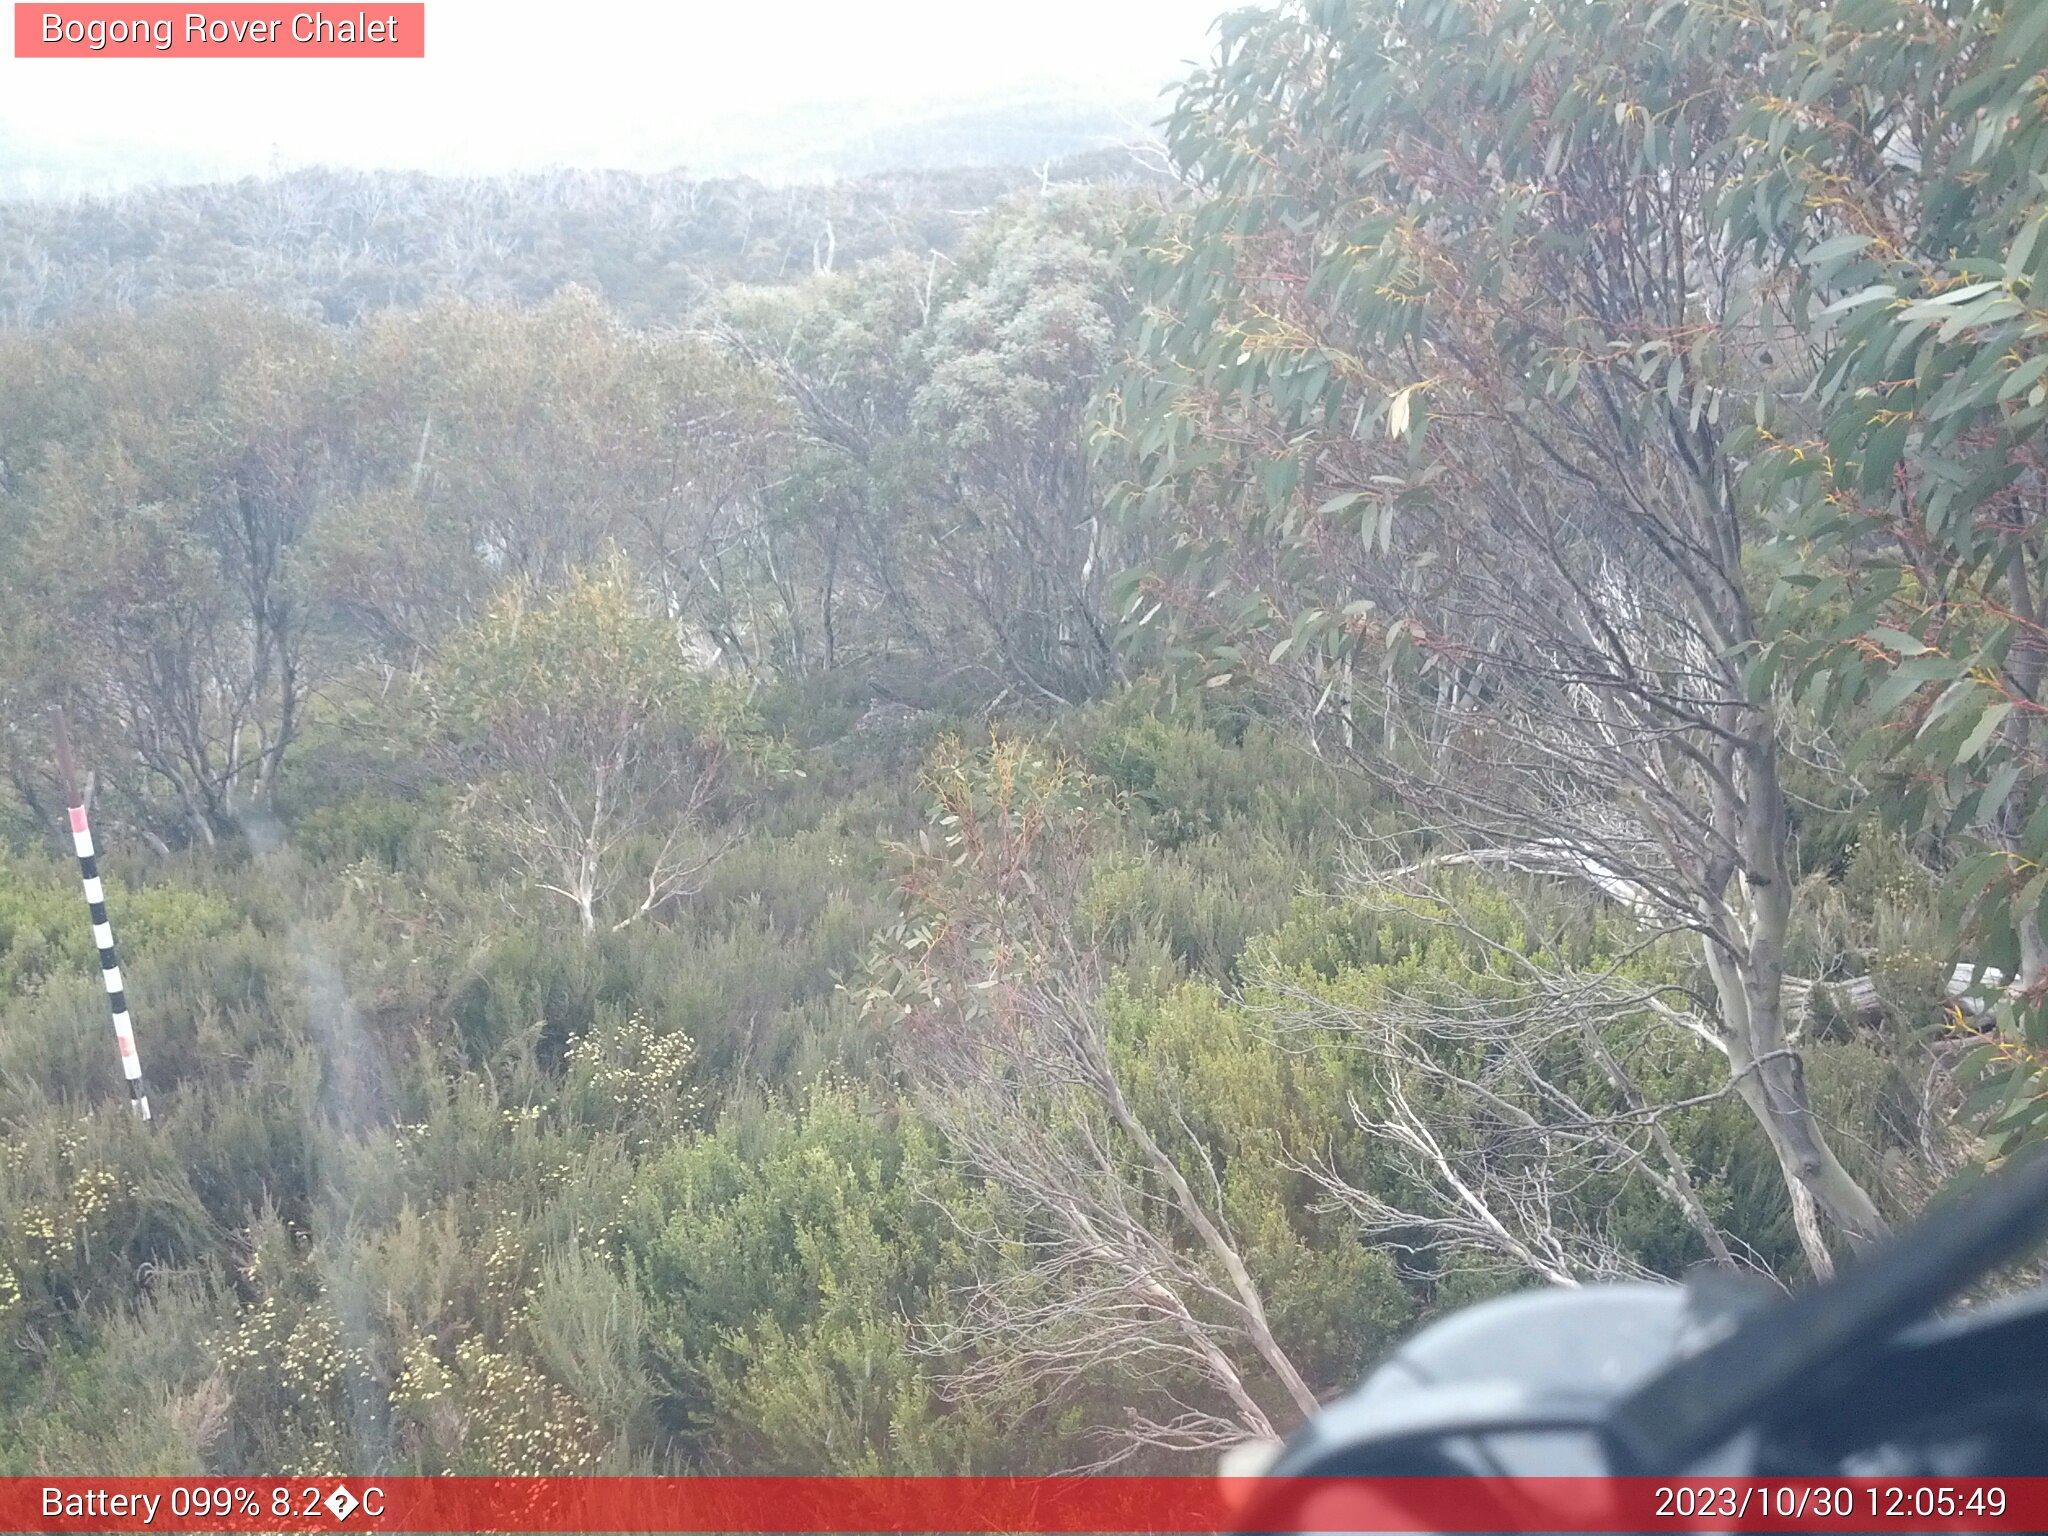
1049 1506
226 31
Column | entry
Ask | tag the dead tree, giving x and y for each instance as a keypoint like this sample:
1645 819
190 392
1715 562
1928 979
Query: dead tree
1110 1250
1130 1266
1505 1101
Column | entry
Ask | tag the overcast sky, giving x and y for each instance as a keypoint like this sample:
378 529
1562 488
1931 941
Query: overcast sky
510 83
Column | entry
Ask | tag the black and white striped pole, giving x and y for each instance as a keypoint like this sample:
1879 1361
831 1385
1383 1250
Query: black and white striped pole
102 930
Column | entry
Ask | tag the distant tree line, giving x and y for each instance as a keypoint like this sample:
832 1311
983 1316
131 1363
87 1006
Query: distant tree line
336 246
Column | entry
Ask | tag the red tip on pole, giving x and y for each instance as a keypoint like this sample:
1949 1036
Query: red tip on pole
102 929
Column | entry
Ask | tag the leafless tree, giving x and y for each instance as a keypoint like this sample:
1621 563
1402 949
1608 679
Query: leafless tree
573 844
1506 1099
1110 1250
1130 1264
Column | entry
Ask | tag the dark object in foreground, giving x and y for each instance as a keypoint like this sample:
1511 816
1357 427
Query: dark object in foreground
1719 1379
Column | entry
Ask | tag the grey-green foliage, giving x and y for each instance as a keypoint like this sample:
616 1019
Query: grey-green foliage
339 246
1910 582
943 506
664 1186
441 1183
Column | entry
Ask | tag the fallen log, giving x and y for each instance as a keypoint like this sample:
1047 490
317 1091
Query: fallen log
1973 989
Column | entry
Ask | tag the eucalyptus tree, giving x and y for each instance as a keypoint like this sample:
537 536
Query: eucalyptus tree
1439 393
1895 165
163 478
591 747
943 503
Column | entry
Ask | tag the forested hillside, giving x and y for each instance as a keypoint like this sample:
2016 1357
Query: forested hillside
1003 823
336 246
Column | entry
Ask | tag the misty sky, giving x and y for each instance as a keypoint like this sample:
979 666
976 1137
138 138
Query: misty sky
510 83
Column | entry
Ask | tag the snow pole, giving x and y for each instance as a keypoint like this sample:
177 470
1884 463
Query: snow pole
102 930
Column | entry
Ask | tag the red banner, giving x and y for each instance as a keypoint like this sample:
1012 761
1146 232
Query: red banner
227 31
1028 1504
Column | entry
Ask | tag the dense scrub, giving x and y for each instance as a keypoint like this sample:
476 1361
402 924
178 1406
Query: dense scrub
1014 861
440 1183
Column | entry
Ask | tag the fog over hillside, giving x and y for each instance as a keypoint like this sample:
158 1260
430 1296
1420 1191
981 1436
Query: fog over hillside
805 93
794 145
